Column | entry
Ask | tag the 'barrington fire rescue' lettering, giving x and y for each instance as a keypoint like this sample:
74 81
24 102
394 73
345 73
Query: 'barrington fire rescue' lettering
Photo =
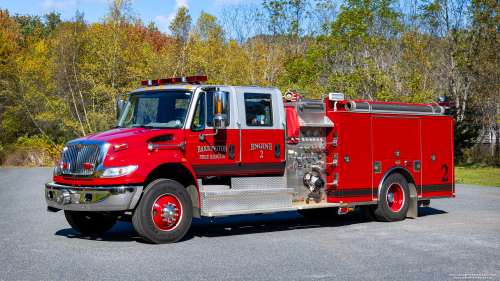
222 149
217 148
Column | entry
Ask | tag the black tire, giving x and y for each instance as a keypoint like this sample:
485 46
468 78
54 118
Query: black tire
143 216
368 212
319 213
383 212
89 222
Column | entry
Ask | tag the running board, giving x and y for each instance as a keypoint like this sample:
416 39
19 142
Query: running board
270 210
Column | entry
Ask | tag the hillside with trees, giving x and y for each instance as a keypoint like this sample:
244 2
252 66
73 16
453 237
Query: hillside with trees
60 78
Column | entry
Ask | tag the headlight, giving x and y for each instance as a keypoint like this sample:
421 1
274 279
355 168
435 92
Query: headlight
57 168
118 171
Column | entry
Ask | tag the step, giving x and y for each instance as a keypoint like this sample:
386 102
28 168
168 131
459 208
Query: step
214 201
269 210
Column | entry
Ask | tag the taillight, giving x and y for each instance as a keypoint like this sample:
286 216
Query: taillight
121 146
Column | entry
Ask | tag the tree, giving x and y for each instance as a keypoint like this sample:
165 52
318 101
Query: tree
180 28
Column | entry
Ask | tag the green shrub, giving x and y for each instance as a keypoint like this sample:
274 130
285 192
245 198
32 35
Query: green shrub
32 151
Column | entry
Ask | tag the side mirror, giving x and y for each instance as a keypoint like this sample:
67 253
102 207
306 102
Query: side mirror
120 104
220 110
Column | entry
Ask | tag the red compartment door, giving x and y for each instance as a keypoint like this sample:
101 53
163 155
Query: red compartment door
355 182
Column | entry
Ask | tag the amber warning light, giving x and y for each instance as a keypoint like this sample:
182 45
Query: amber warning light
184 79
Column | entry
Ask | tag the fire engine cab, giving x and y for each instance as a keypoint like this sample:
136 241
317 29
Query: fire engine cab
181 149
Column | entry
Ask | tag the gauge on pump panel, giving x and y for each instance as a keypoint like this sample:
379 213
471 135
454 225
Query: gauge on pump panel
316 133
289 96
309 133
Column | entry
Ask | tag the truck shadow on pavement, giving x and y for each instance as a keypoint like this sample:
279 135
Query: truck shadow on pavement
249 224
238 225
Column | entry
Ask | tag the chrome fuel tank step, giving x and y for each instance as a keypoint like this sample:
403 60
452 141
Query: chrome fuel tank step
246 200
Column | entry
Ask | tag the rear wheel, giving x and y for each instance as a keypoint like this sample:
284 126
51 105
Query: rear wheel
89 222
165 212
394 199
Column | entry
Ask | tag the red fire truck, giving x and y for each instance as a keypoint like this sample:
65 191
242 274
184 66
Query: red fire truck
181 149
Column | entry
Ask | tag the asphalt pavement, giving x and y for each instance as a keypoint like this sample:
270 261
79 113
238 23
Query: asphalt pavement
452 239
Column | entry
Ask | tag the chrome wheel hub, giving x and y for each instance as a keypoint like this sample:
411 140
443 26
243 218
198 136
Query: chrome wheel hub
170 213
390 197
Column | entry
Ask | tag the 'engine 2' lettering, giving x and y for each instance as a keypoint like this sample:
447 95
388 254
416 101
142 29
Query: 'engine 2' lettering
254 146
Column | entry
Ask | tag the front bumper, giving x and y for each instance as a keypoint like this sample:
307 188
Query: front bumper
92 198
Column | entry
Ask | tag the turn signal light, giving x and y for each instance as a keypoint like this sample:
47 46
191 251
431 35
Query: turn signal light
121 146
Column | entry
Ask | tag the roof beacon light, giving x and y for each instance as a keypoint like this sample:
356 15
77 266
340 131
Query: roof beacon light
175 80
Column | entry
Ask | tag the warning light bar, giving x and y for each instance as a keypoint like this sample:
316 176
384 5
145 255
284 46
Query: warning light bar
184 79
447 105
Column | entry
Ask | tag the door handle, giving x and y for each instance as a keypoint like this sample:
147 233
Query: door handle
239 129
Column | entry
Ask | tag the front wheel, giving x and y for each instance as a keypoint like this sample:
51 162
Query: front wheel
89 222
164 213
368 212
394 199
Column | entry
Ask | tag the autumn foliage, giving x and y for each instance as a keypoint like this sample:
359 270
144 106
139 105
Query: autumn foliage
60 79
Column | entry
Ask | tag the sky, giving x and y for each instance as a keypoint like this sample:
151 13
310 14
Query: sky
159 11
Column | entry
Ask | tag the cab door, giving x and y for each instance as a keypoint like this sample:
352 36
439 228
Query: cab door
213 154
262 131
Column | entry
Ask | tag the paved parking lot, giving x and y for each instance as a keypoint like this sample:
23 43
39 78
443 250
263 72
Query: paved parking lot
453 238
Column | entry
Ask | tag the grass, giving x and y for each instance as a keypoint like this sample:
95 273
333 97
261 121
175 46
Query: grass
477 174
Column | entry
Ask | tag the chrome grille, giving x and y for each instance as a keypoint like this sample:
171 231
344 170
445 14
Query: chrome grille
75 159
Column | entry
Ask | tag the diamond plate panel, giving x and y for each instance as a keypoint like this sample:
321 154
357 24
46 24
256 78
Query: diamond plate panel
248 192
215 187
238 183
239 200
285 179
255 211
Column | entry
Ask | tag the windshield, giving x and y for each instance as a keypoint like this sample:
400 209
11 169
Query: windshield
156 109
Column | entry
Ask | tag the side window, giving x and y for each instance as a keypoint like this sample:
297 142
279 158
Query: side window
210 109
199 115
258 109
181 107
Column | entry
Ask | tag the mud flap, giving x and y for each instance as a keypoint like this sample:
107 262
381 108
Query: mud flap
413 210
196 212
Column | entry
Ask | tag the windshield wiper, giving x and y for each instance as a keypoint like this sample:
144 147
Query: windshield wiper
145 126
